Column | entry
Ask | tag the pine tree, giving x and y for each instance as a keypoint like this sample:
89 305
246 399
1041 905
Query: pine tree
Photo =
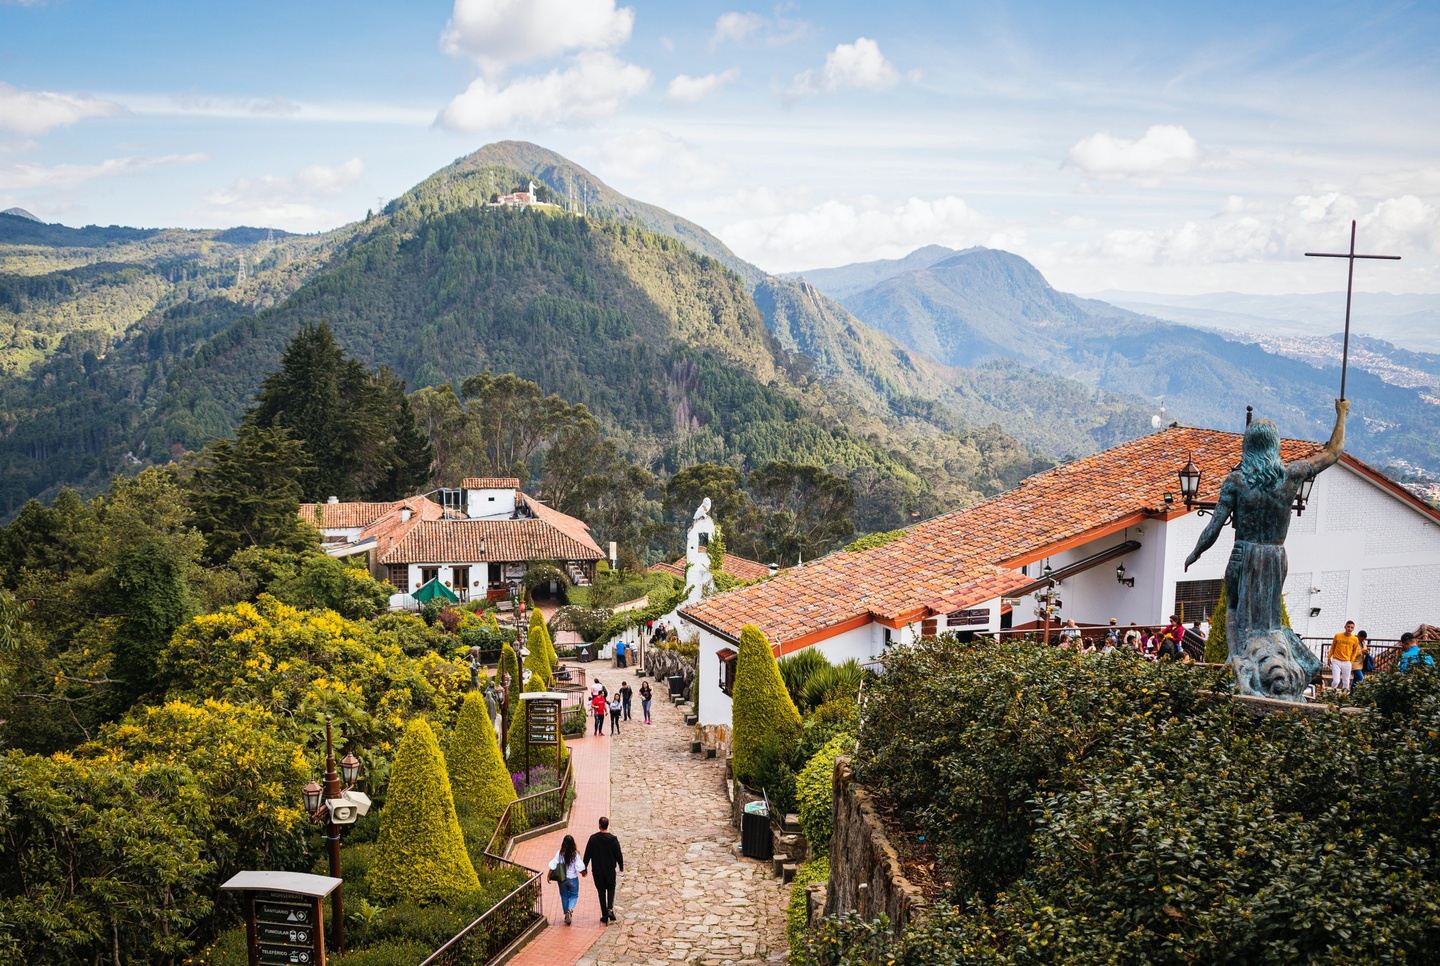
411 455
767 724
246 492
478 774
420 853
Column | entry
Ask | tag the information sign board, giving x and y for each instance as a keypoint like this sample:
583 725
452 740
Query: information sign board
968 618
286 928
542 721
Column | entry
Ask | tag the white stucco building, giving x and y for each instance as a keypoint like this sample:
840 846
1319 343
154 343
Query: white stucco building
475 539
1364 548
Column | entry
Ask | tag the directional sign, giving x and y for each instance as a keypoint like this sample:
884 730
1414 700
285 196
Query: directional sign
542 722
286 929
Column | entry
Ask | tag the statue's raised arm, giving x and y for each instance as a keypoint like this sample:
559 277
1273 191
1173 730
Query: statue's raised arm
1329 455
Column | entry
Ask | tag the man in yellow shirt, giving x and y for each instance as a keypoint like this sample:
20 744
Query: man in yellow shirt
1344 653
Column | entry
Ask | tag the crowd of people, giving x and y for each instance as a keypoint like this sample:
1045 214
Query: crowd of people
617 706
1165 643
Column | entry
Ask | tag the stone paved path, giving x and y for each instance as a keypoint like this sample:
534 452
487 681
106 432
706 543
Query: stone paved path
686 895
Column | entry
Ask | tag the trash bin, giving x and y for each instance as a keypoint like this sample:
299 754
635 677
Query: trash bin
755 842
584 654
677 684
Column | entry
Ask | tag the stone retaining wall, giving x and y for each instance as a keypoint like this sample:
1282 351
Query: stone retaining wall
865 872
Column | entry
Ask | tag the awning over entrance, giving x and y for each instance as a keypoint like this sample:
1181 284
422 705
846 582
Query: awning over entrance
1079 566
434 590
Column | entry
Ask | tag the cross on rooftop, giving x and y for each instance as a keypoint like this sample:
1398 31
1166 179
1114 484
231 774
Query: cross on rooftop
1349 289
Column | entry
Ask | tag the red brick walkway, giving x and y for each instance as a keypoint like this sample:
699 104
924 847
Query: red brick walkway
559 943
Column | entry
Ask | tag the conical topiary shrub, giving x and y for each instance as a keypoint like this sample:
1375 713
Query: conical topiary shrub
545 755
478 775
540 642
1217 649
509 664
420 853
767 725
535 661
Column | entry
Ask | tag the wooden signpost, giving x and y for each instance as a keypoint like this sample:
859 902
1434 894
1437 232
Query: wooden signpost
284 916
542 722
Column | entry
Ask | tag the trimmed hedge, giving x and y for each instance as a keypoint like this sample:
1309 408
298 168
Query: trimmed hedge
420 853
815 793
479 776
541 644
767 725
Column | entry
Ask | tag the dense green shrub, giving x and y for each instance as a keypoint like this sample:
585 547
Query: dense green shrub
767 725
509 667
1128 817
420 853
1217 651
541 645
796 669
833 682
478 774
386 953
841 716
814 793
813 871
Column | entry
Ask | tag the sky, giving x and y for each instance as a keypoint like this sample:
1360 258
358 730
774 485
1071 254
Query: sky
1155 147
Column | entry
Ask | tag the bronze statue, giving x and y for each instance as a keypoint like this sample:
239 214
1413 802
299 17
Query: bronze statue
1269 659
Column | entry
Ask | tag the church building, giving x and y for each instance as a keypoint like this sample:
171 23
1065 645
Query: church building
1110 534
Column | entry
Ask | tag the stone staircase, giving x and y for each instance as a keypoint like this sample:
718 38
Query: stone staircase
576 575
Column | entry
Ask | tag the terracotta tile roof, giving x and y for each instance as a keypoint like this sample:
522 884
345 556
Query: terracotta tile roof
490 483
970 556
738 567
478 541
575 529
344 515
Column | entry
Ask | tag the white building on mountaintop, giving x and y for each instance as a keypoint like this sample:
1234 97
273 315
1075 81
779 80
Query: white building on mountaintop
1364 548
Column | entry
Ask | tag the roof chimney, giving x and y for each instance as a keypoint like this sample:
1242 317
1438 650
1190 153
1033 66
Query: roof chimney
405 512
333 499
774 569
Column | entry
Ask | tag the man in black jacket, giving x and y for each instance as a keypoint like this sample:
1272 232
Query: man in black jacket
602 856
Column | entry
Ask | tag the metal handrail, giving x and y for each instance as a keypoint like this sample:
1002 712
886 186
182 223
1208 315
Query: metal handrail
450 952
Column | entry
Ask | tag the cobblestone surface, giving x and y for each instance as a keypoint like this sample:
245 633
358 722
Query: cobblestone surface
686 895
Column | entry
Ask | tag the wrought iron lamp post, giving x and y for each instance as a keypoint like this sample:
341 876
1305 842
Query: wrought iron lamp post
1121 578
1190 475
317 805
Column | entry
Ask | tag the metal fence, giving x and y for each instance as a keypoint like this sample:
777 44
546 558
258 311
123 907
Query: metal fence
506 921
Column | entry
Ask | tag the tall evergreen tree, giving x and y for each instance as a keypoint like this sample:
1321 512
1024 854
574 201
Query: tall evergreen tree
246 492
147 587
411 455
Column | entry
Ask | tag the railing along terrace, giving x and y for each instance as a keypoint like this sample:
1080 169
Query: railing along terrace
500 925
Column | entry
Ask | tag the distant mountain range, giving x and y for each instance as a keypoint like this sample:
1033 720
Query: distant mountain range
979 307
129 346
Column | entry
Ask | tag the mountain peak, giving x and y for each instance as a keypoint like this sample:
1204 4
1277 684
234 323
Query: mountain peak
20 213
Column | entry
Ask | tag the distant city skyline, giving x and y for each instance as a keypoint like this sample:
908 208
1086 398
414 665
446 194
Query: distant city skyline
1143 147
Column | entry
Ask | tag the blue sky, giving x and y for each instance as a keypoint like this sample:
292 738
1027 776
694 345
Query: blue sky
1161 147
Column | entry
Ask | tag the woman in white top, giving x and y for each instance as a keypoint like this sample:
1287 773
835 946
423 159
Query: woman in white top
568 858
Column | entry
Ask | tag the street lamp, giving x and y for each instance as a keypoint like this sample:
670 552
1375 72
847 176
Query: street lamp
1189 482
1121 578
1303 496
333 807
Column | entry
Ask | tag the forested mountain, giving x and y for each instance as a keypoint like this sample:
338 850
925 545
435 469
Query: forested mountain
980 306
664 336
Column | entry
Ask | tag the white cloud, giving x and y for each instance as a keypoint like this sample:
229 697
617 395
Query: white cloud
835 232
275 108
30 176
35 112
689 89
594 86
654 164
1163 149
736 26
284 201
858 65
499 33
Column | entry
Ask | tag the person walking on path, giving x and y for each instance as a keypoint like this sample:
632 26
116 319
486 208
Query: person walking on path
603 857
597 708
616 707
1344 652
645 697
567 862
626 694
620 653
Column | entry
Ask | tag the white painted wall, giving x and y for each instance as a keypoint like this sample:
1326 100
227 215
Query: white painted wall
483 504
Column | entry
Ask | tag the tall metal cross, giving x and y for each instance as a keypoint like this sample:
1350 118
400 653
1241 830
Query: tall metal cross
1349 290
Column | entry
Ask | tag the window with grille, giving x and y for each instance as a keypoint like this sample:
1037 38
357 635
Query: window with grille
399 576
727 669
1195 600
428 574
